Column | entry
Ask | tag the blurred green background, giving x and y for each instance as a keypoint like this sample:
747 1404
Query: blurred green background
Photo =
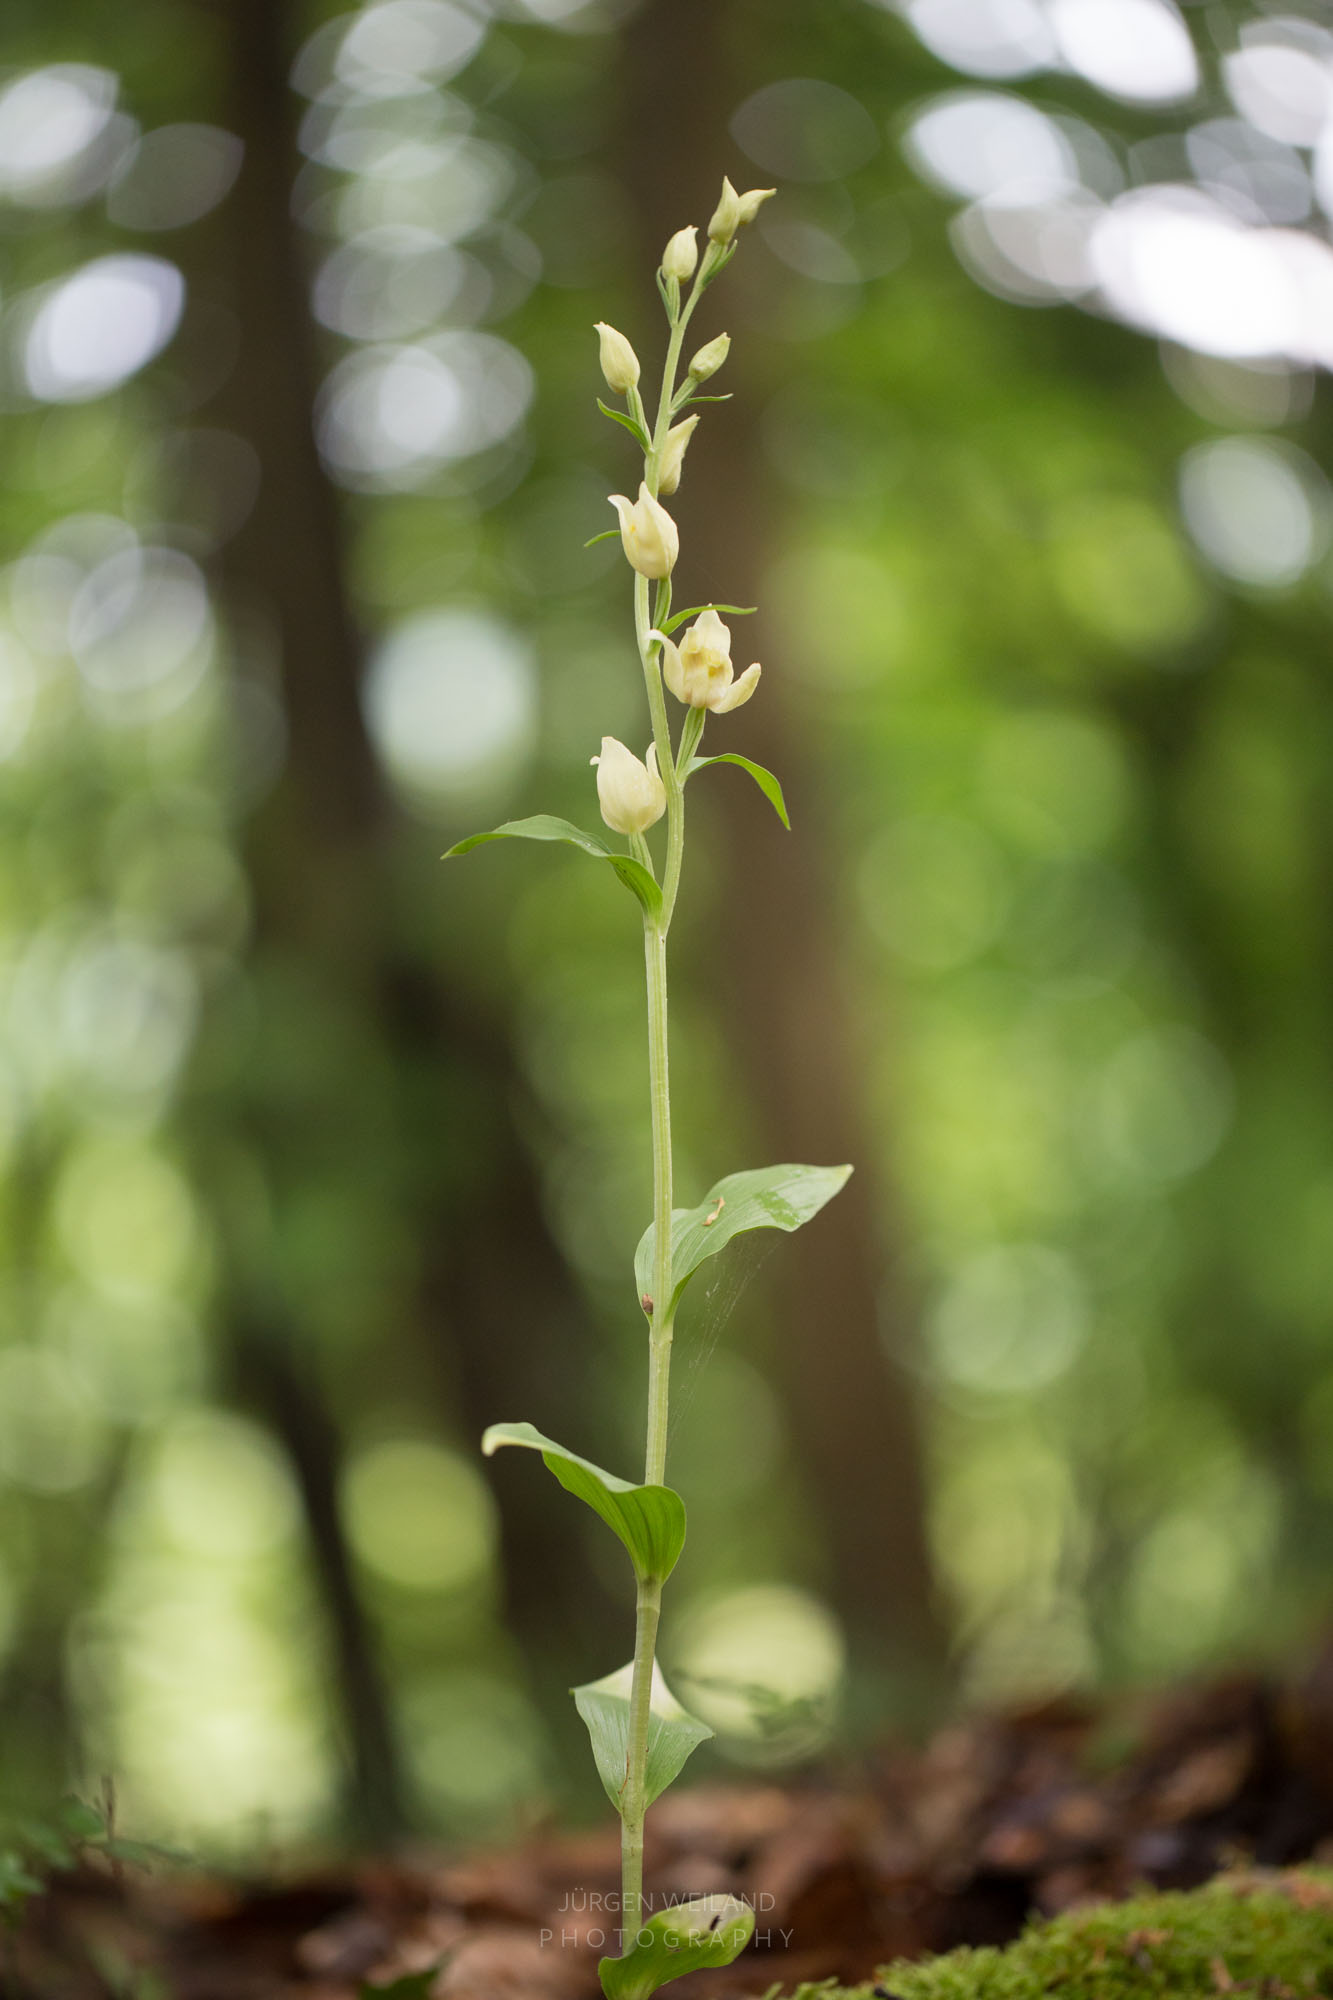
316 1156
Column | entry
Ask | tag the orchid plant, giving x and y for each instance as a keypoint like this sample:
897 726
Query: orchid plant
641 1735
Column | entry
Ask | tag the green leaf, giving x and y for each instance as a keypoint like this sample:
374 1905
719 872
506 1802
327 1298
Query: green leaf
17 1882
650 1520
412 1985
705 1931
605 536
636 430
765 780
544 826
83 1821
672 1732
736 610
762 1198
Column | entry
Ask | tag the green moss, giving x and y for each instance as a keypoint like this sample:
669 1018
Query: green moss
1268 1933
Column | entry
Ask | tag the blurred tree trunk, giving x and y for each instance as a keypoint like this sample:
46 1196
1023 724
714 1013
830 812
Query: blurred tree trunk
493 1282
841 1317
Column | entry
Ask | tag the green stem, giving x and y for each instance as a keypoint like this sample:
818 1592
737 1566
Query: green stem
634 1805
649 1597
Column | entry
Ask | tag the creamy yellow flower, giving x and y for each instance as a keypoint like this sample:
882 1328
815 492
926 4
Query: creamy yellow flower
733 210
620 364
648 534
699 671
681 254
710 357
673 452
630 793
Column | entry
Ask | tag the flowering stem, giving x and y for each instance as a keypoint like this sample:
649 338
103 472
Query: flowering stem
649 1595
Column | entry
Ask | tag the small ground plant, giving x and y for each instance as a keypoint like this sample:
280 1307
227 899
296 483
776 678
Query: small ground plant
641 1736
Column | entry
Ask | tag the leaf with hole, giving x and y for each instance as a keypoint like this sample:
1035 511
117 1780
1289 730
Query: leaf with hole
543 826
765 780
761 1198
672 1732
650 1520
706 1931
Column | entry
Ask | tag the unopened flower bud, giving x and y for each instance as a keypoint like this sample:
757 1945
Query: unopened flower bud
699 672
710 357
648 534
726 216
681 254
620 364
631 794
734 210
751 203
673 452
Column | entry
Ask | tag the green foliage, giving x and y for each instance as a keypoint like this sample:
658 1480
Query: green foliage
411 1986
760 1198
1259 1932
635 430
765 780
32 1848
650 1520
543 826
707 1931
673 1734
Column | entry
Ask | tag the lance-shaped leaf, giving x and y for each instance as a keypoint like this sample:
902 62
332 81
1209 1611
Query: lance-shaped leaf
765 780
762 1198
705 1931
693 610
544 826
634 428
672 1732
650 1520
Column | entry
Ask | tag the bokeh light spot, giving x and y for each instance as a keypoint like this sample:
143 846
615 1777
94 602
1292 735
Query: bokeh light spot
404 45
1010 1321
1137 50
418 1515
48 120
1281 78
391 416
805 130
93 330
450 698
762 1665
1161 1106
1259 511
984 37
174 176
52 1437
984 142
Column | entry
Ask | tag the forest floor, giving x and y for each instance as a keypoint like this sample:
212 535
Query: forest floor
998 1817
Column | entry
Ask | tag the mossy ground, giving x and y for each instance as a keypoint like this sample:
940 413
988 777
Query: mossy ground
1260 1933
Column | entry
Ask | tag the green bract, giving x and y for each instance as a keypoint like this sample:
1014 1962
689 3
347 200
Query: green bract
765 780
